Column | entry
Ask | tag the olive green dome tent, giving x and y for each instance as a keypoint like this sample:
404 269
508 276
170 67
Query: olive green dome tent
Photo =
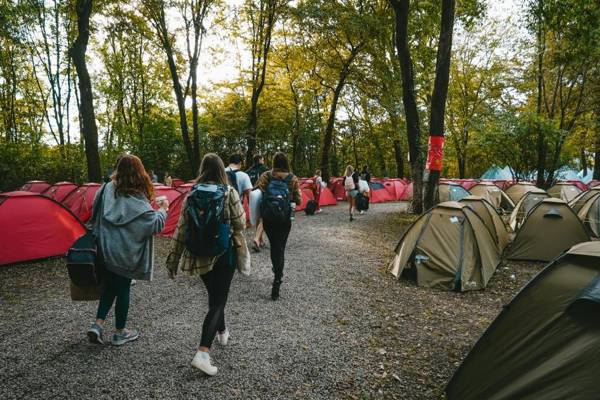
550 228
490 217
564 190
518 190
494 195
527 202
447 191
545 344
580 200
448 248
589 214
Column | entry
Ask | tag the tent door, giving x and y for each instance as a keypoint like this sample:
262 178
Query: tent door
461 253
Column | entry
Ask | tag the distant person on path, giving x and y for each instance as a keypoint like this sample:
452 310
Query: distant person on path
257 169
351 187
194 253
280 189
365 174
362 199
238 178
168 180
124 227
318 188
153 176
254 172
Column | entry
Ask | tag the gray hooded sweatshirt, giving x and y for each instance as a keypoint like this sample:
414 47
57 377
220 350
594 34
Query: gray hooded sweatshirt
124 228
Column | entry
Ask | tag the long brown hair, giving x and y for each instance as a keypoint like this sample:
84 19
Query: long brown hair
131 178
280 161
212 170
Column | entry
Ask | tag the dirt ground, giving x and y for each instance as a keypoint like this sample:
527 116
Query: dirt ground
343 328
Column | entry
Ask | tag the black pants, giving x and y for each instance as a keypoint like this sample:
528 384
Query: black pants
278 236
217 283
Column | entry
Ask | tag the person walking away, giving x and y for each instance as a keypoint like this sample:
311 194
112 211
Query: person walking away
317 187
280 188
351 187
211 206
238 179
362 199
257 169
168 179
365 174
124 228
254 172
153 176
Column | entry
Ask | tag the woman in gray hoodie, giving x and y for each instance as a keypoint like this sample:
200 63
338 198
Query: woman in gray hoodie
124 227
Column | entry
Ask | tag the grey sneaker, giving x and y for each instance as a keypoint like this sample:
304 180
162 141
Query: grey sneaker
120 338
95 334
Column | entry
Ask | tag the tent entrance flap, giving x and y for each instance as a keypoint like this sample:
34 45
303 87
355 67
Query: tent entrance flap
461 256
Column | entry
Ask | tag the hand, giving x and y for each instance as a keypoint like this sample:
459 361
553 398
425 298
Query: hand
164 205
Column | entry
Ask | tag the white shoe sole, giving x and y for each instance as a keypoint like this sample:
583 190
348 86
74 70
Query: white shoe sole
209 372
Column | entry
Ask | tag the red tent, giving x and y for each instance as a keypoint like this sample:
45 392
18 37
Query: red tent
186 187
176 182
378 193
35 186
307 195
327 198
173 216
60 190
161 190
582 186
337 188
33 226
593 183
396 188
81 200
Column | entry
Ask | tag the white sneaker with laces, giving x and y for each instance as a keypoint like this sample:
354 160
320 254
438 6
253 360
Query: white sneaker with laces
223 338
202 361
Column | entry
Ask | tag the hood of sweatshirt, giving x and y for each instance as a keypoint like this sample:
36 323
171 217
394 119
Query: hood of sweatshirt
121 210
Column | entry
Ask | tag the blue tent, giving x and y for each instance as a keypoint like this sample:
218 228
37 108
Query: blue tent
497 173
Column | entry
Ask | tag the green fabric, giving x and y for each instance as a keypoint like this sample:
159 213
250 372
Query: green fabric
115 287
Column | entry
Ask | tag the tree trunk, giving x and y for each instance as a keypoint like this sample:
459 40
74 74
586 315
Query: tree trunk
399 158
440 90
252 125
89 131
541 140
328 136
413 130
584 165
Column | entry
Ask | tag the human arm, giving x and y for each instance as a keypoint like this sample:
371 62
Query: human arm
295 191
237 215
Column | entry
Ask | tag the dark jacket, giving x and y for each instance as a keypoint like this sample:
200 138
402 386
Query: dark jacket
294 185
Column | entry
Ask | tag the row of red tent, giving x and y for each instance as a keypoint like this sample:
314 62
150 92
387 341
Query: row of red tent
42 220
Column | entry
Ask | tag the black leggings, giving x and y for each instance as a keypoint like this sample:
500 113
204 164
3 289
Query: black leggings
217 283
278 236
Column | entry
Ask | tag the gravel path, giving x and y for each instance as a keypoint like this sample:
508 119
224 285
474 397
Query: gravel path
343 328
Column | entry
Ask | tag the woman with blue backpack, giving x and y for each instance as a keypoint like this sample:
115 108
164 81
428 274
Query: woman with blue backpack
212 216
281 192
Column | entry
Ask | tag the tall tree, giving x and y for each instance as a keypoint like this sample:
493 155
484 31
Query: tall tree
89 131
438 97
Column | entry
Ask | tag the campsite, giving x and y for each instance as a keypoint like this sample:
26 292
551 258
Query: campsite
300 199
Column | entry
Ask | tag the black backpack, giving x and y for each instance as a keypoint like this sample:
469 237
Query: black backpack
232 175
254 173
207 234
362 203
311 207
275 207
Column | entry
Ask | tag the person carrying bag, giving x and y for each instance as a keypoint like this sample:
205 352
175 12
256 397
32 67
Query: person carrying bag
209 242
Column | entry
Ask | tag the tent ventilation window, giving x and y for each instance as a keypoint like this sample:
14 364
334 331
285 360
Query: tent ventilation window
553 213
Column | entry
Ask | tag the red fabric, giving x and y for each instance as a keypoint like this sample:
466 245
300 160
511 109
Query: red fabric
337 187
186 187
582 186
33 226
35 186
379 196
176 182
435 153
173 216
326 198
80 201
408 193
594 183
306 196
171 194
60 190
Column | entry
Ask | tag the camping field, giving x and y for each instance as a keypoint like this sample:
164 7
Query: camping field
343 328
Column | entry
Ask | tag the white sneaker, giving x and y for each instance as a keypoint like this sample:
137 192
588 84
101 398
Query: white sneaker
223 338
361 212
202 361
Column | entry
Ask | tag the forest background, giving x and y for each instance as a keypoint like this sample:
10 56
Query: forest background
318 79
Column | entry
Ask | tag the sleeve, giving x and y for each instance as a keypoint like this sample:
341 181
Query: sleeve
245 182
177 244
160 217
263 181
237 215
92 221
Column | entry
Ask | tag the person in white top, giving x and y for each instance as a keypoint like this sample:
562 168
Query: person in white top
242 180
363 189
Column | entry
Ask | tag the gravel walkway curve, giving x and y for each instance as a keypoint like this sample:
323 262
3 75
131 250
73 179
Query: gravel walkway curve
333 334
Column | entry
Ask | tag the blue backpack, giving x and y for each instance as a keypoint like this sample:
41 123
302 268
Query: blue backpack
207 234
276 205
232 175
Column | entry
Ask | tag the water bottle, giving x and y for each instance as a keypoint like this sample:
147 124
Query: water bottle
293 207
